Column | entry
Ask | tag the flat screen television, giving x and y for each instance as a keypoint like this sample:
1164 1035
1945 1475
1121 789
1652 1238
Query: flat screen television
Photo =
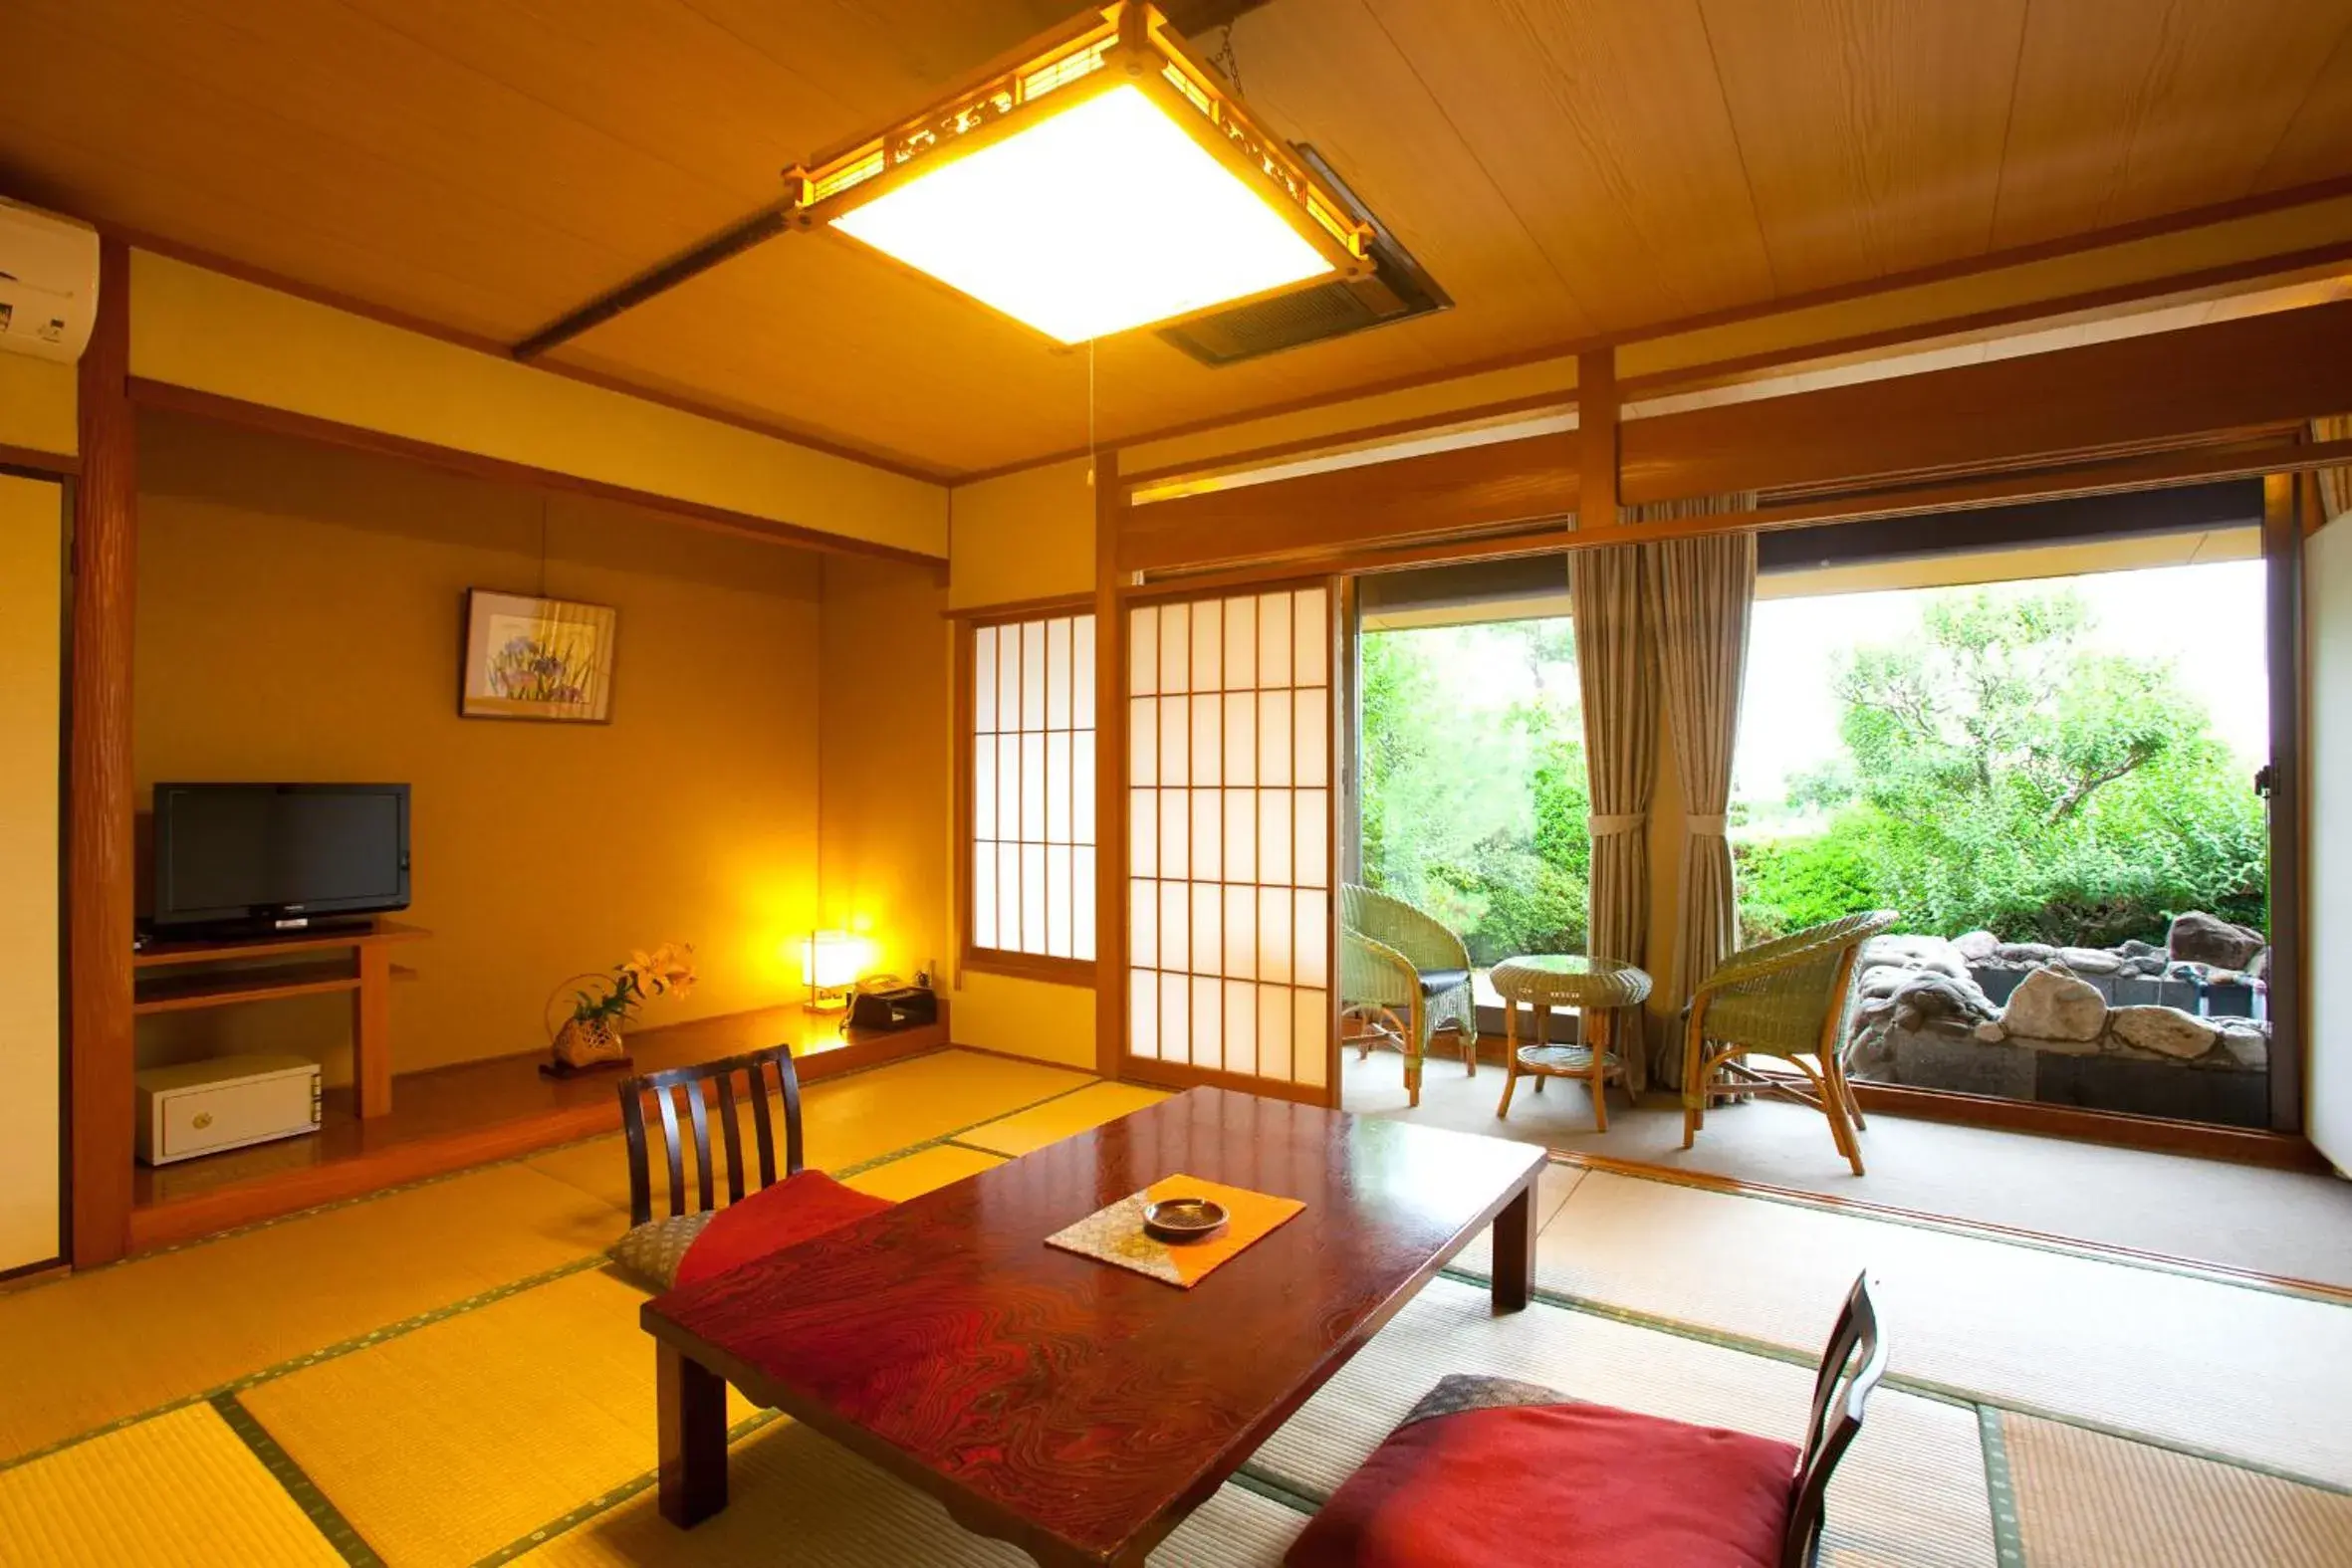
261 856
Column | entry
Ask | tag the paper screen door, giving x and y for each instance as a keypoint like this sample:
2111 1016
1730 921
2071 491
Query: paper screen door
1230 835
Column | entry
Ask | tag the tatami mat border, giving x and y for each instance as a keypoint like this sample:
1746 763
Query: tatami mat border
296 1484
375 1336
2006 1539
1949 1225
1945 1393
607 1501
495 1293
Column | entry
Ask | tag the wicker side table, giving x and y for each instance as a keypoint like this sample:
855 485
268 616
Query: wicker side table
1595 988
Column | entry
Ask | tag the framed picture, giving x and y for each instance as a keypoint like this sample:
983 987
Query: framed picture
535 658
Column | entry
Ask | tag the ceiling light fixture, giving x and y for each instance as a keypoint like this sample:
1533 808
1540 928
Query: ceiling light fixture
1109 181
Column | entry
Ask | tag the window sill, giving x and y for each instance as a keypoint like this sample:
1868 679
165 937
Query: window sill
1030 966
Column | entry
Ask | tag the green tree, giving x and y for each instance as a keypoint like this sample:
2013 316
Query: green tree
1474 793
2001 772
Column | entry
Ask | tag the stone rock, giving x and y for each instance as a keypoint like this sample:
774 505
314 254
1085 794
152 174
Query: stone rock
2024 952
1932 954
2247 1041
2134 948
2199 937
2166 1030
2259 967
2052 1005
1991 1032
2089 961
1975 946
1941 997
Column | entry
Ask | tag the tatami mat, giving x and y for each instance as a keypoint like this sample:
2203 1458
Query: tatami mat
121 1341
1911 1492
1058 1119
2253 1375
2088 1500
797 1498
1552 1191
849 1121
178 1491
446 1443
921 1172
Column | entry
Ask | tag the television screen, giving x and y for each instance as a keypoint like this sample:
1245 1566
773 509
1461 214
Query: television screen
254 854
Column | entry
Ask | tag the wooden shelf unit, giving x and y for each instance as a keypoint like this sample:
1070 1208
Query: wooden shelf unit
366 975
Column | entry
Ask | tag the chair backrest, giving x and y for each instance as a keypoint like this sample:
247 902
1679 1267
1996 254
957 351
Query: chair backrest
1850 1369
688 1090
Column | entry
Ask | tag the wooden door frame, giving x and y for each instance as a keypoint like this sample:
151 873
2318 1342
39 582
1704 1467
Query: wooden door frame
2282 558
1114 600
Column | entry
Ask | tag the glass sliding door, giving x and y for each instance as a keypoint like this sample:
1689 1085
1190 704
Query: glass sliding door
1230 837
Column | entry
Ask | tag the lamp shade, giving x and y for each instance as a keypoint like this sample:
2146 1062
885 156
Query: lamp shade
831 959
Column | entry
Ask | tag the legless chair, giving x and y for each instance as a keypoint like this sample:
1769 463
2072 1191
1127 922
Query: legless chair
1784 999
1393 957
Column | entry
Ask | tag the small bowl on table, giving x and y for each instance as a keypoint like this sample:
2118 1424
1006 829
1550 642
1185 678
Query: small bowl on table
1185 1218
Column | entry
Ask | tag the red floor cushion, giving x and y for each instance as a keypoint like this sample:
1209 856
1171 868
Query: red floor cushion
793 1209
1500 1478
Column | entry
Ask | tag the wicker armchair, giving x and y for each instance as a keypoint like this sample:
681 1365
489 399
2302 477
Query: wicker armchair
1786 998
1401 974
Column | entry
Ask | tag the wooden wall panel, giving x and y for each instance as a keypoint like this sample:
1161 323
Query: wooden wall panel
2164 388
2160 389
99 807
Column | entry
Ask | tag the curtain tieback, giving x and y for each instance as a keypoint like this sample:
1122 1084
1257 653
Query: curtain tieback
1707 824
1623 822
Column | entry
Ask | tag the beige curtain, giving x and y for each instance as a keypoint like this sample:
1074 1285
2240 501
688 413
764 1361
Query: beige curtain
2335 484
1700 592
1616 675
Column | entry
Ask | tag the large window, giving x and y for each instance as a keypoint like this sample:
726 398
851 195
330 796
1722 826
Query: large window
1029 771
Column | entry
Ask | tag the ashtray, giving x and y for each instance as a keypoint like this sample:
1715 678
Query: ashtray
1184 1219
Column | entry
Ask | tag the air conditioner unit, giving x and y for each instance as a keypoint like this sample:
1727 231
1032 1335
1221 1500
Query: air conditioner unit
48 283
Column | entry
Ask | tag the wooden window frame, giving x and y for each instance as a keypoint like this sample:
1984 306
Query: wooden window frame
971 957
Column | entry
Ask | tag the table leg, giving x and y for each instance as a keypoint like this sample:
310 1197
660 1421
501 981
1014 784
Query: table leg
693 1439
1515 1250
1542 1017
1510 1057
1600 1027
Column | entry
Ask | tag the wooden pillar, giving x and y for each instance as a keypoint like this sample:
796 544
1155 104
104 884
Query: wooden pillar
99 898
1110 775
2282 551
1596 439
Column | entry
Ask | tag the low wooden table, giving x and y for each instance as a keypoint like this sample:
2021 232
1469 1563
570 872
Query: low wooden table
1074 1408
1595 988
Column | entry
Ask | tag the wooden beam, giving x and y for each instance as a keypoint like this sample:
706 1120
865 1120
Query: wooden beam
498 469
1597 455
2164 390
98 895
2162 387
1110 773
33 460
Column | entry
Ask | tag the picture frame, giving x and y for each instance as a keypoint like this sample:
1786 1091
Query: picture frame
525 656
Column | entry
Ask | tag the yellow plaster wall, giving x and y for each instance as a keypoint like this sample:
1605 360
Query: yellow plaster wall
31 612
37 401
887 758
298 611
202 329
1026 536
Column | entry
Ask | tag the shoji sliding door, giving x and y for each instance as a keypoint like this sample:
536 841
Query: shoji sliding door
1230 835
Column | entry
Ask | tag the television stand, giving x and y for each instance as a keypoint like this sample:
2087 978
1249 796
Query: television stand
300 966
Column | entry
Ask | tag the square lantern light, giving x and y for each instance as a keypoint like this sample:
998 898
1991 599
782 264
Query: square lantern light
1110 182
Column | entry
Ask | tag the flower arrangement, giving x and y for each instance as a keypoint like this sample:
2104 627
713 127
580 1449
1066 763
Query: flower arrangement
590 1036
668 970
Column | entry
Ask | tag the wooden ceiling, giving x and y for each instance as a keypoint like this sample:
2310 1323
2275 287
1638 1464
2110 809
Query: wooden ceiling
1563 167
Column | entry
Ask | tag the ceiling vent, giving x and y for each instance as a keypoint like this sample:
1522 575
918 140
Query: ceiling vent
1396 291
